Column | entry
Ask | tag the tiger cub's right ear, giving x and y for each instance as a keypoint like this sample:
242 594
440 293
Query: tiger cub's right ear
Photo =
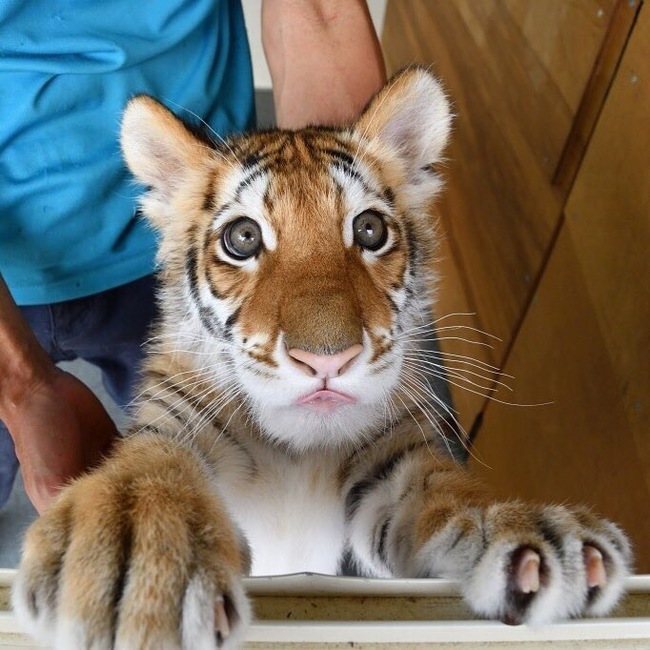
158 148
410 117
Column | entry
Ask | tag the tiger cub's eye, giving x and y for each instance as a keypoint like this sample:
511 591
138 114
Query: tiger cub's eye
370 230
242 238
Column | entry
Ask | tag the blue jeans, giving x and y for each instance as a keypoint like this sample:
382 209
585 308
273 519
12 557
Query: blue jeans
106 329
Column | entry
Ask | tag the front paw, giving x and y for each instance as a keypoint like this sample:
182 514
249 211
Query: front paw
545 564
523 564
138 555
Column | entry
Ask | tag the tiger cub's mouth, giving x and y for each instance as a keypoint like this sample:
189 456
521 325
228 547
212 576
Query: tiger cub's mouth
325 400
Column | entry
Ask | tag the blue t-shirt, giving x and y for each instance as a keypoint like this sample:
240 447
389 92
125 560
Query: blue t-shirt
67 69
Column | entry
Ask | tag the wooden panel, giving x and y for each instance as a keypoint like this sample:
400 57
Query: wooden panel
620 24
608 217
581 448
565 36
511 125
517 72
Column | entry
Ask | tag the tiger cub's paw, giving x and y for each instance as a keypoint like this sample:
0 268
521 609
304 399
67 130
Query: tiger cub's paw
525 564
139 555
544 564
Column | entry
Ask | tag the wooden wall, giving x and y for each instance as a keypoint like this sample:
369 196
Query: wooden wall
547 222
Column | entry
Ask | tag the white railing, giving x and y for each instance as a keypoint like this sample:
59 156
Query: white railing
312 611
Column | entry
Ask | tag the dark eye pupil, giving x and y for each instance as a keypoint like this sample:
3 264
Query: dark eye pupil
370 230
242 238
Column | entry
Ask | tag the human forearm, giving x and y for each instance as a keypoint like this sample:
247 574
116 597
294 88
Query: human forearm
23 362
324 57
58 426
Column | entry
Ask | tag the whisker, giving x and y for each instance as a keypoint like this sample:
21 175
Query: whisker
225 426
461 435
457 362
490 396
468 327
458 373
457 338
432 421
406 408
189 402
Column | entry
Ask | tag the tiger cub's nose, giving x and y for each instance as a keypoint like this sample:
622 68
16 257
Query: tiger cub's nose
324 366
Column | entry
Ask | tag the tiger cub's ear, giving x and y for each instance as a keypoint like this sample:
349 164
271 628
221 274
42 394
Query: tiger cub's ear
410 117
158 148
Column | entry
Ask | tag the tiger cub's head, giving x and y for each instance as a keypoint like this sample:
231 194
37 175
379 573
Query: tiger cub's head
294 263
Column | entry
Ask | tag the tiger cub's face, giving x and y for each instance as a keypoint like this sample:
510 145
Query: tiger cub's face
294 261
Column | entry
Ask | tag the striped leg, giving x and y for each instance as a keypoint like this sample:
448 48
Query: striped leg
413 515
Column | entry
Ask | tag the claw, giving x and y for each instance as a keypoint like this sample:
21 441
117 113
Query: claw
527 572
221 619
596 576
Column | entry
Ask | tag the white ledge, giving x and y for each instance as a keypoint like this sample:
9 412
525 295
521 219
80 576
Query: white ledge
325 597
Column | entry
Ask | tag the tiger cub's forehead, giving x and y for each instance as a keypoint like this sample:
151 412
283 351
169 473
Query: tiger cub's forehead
319 176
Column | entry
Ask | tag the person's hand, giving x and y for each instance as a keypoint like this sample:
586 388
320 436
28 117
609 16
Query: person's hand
60 429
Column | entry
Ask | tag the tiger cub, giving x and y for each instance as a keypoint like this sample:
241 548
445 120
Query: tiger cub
274 432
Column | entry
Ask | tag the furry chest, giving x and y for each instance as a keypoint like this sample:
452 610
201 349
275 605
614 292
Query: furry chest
292 516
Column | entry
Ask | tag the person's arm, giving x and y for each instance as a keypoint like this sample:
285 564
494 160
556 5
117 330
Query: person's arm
324 57
58 426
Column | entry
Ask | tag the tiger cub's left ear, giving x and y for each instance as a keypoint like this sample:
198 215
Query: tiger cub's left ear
157 146
410 117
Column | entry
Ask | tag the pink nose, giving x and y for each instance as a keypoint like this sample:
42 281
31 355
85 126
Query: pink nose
324 366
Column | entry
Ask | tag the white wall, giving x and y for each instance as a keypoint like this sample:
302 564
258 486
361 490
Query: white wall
252 14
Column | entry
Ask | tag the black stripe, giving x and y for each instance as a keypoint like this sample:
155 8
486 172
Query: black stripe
312 149
222 209
355 496
205 314
413 249
191 272
209 200
381 544
156 375
393 307
342 156
208 252
168 408
379 473
251 160
254 153
551 535
147 428
344 162
342 165
247 182
353 173
231 320
389 197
